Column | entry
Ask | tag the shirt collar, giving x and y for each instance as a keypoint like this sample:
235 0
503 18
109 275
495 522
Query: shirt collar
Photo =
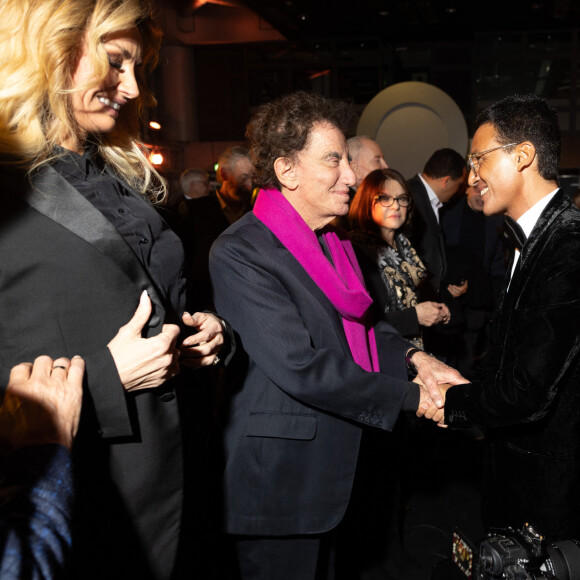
528 220
72 163
435 201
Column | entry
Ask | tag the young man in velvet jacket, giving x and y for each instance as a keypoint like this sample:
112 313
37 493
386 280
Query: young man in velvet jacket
527 395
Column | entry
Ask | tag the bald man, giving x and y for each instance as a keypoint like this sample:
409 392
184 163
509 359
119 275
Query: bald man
365 155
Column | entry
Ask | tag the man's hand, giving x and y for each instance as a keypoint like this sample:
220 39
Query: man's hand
202 348
456 290
427 407
42 403
432 373
144 363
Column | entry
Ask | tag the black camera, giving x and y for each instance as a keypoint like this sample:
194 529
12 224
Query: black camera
510 554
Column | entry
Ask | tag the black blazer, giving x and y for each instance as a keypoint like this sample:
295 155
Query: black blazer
68 281
201 222
528 394
426 236
294 426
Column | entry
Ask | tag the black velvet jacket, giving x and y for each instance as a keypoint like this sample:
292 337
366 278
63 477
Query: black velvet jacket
528 394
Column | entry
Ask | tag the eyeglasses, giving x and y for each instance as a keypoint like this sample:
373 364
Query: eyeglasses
473 159
388 200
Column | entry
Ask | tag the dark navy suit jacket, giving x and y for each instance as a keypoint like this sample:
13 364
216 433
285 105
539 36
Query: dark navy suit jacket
427 238
294 426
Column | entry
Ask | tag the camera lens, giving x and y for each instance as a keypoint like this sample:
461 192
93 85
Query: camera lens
490 560
564 559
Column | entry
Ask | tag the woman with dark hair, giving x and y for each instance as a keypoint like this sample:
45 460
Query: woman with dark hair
90 268
378 214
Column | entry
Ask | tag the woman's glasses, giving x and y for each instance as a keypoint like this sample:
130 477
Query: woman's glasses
388 200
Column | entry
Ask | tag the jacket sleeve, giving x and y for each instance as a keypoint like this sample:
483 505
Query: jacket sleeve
107 395
405 321
37 495
540 343
261 303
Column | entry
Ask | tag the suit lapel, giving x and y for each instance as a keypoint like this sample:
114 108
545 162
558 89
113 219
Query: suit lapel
54 197
556 206
552 211
510 297
424 201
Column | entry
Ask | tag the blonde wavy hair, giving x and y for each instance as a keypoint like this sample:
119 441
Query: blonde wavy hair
41 42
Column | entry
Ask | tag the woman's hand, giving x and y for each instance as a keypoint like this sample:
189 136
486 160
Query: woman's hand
202 348
144 363
430 313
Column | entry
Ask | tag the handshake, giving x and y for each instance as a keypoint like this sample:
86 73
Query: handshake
434 378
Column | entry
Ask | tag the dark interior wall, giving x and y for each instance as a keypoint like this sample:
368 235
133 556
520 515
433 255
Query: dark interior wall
222 93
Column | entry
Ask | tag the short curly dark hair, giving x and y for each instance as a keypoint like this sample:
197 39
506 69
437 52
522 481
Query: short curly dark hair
281 128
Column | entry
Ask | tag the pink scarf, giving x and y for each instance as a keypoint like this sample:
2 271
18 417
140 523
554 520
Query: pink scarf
342 283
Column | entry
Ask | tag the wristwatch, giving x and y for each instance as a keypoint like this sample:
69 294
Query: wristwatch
411 368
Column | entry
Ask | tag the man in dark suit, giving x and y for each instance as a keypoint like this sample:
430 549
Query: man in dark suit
476 249
201 221
311 382
442 176
234 174
527 395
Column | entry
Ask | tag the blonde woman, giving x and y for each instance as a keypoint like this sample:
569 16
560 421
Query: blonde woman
88 267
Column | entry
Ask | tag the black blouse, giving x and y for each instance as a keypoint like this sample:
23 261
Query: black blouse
158 248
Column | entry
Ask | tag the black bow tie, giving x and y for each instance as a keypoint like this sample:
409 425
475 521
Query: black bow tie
514 233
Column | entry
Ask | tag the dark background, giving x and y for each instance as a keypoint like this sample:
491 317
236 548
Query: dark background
476 52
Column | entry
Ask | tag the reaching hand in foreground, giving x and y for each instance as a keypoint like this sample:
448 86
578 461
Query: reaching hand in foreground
42 403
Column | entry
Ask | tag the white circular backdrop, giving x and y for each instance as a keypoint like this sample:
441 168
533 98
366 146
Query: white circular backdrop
410 121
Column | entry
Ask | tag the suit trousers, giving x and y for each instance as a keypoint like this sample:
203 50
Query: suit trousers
310 557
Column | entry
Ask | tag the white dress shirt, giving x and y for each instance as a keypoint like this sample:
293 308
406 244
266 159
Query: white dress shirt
433 199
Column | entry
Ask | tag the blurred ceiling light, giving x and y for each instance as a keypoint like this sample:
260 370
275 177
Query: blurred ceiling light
317 74
156 158
197 4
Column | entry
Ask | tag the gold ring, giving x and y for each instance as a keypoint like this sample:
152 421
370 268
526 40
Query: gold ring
216 360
